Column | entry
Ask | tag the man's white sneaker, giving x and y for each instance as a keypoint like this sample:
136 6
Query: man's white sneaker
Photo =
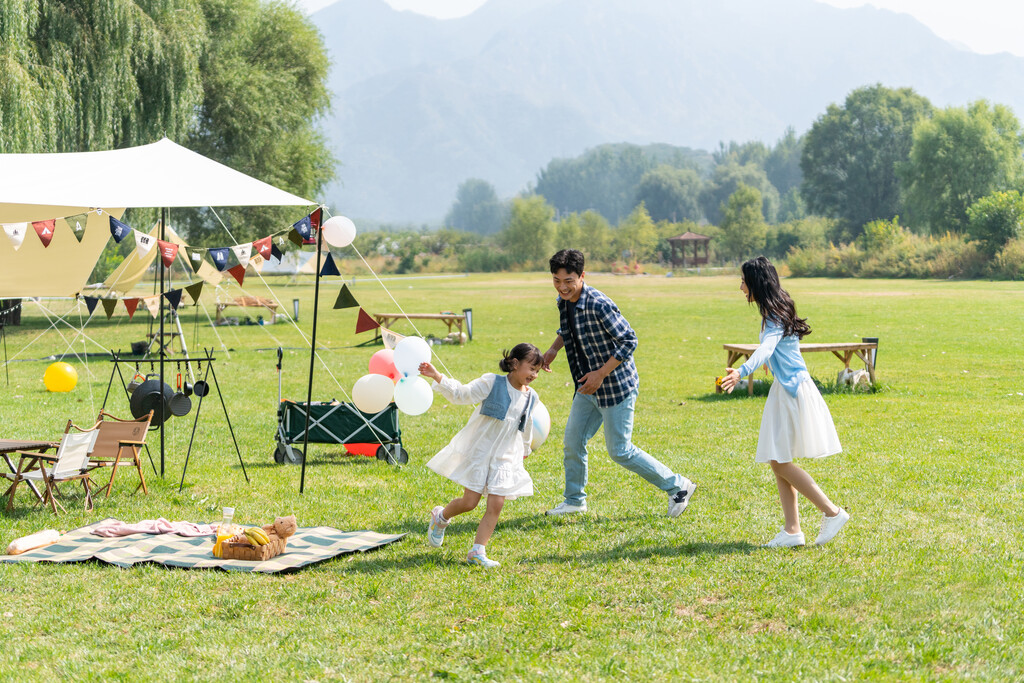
830 526
678 502
786 540
564 508
435 532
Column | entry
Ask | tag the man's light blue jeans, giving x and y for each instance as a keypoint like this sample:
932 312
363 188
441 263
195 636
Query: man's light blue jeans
585 418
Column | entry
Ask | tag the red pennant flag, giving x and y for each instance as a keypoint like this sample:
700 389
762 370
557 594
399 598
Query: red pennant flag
238 272
168 251
131 305
365 323
316 219
45 230
264 247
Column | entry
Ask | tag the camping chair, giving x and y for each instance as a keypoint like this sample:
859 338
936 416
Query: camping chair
120 442
70 462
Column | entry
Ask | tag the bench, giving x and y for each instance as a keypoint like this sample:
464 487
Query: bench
386 320
247 302
865 350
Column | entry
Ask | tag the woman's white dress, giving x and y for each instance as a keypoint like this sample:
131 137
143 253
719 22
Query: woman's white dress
796 426
486 456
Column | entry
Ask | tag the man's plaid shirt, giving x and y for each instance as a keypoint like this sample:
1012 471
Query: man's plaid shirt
600 333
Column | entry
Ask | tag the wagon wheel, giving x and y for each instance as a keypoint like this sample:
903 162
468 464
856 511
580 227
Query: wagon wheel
279 454
398 456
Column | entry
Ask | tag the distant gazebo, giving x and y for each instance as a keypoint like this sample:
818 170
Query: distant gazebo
682 243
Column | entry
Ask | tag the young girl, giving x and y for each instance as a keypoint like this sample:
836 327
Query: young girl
796 422
486 456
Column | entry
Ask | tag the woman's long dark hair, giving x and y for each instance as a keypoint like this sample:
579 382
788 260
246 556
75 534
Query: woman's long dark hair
773 301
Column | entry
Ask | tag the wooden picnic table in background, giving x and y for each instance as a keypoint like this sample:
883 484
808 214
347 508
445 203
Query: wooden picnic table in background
845 352
386 320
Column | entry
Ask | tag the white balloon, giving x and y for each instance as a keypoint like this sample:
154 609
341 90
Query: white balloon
339 231
413 395
409 353
541 425
373 393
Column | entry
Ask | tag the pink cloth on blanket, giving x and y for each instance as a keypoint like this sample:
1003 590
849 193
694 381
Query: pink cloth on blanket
154 526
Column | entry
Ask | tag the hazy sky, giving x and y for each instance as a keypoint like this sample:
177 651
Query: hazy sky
984 26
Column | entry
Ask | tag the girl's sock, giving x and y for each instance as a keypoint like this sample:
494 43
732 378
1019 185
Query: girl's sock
477 548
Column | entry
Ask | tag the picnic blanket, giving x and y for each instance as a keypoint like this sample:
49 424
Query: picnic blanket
308 546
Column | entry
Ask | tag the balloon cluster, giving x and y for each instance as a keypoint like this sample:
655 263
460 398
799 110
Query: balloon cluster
395 376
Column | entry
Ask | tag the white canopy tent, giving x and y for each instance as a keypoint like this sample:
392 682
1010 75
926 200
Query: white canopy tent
37 187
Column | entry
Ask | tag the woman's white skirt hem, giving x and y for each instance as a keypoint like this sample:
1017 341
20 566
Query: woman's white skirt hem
796 426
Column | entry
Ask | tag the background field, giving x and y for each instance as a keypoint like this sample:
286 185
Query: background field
924 583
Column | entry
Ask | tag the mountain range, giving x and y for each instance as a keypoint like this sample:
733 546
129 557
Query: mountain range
421 104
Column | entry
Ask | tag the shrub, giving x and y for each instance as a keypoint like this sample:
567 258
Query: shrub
1008 264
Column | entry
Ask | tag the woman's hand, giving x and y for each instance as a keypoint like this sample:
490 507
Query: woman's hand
731 379
428 370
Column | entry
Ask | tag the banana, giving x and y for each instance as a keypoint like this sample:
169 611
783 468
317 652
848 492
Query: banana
257 536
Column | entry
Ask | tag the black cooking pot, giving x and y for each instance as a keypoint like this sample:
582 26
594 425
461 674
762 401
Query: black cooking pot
150 395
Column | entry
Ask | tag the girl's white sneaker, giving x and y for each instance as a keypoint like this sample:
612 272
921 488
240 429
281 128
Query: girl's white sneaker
786 540
830 526
479 557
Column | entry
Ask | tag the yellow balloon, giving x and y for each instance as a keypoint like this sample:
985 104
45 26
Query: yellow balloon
60 377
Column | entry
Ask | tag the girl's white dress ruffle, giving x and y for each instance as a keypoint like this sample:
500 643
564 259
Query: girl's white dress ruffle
796 426
486 456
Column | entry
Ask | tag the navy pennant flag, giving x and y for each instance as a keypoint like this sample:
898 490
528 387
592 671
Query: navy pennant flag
119 230
329 267
173 298
220 257
90 303
276 253
304 228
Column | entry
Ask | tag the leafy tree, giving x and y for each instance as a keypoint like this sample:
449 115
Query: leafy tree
741 154
782 165
743 226
476 208
851 154
996 219
264 79
527 237
960 156
597 237
809 232
726 180
604 180
637 235
97 75
670 193
568 232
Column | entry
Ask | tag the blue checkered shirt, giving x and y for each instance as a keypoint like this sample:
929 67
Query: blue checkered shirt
600 332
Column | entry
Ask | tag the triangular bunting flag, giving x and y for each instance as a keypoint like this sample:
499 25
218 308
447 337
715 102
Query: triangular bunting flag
130 305
195 258
45 230
316 219
119 230
194 291
365 323
276 253
168 251
77 225
256 264
304 228
295 238
90 303
390 338
242 253
263 247
220 257
16 233
108 306
153 305
143 243
329 267
345 299
173 298
238 272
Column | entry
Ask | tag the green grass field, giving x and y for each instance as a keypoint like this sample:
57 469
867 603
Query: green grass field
924 583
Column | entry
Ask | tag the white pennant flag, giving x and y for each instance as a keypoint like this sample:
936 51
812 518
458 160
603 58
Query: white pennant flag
256 264
390 338
16 233
143 243
242 253
153 304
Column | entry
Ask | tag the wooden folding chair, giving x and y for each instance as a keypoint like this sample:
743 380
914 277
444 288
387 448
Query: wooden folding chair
69 463
120 442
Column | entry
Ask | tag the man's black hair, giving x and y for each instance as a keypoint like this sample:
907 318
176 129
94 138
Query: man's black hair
569 259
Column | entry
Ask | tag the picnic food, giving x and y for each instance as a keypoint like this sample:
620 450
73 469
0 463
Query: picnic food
257 536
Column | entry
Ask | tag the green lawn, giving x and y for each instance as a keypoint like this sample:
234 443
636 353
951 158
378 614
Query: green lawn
924 582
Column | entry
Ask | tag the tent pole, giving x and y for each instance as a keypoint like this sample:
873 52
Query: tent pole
312 356
160 341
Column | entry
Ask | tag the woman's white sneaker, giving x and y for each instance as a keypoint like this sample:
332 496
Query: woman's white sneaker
786 540
830 526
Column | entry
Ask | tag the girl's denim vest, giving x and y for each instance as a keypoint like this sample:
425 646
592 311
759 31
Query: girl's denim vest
497 402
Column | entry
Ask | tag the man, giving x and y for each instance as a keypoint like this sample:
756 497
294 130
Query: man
599 346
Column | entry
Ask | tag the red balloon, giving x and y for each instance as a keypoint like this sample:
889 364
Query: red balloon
383 363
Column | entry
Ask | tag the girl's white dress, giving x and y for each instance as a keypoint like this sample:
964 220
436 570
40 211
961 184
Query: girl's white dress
486 456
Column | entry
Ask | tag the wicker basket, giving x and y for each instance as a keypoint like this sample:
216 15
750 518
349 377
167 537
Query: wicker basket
255 553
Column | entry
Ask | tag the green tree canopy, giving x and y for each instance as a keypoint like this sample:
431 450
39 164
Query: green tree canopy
851 154
958 157
476 208
670 193
996 219
604 180
637 235
726 180
527 237
743 226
